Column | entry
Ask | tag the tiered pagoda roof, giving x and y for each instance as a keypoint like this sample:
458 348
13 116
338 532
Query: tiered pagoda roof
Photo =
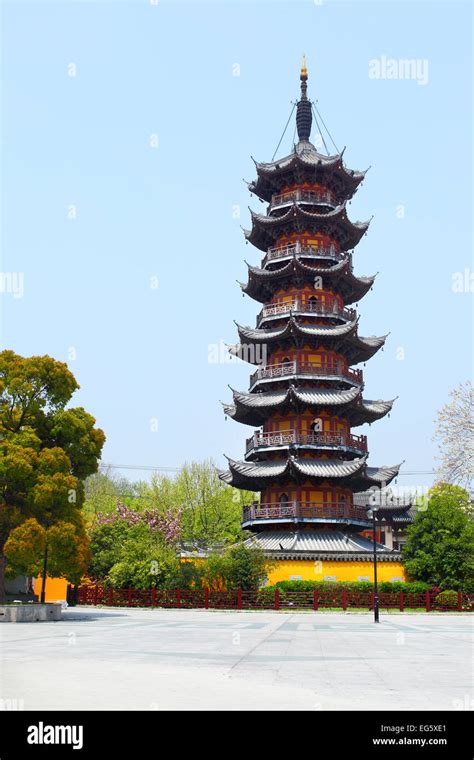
254 408
344 337
305 163
253 476
263 282
267 229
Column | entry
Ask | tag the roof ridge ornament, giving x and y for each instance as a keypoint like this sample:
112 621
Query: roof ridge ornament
304 70
304 116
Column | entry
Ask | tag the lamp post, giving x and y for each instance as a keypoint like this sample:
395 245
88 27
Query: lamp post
372 513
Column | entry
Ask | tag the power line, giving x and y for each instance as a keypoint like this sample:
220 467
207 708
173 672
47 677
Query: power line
140 467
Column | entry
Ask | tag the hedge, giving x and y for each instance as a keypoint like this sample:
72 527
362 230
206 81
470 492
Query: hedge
416 587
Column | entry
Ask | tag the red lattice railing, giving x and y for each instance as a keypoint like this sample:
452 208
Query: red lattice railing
267 599
287 369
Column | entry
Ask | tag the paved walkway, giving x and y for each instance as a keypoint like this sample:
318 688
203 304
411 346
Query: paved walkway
197 660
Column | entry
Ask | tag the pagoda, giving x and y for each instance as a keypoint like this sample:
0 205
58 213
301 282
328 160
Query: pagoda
306 392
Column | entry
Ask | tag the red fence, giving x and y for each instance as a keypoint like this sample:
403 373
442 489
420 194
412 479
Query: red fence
268 599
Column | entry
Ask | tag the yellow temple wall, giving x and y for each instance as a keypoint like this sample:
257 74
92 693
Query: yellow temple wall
55 589
309 570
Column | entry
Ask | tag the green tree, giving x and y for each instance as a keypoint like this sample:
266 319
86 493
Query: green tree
440 542
64 545
106 542
212 511
46 450
238 567
102 489
134 555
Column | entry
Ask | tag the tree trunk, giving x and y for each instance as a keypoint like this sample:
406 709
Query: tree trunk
3 562
45 572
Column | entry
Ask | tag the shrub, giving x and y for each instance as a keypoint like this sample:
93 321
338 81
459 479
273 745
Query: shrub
447 599
333 586
239 567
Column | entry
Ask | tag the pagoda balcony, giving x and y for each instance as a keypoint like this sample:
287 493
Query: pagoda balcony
326 440
306 512
307 369
299 249
310 197
317 308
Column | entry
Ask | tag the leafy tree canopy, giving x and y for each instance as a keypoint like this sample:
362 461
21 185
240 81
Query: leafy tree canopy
66 544
45 449
440 542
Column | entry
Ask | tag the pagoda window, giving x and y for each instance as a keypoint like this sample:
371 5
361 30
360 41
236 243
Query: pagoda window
317 425
286 360
283 501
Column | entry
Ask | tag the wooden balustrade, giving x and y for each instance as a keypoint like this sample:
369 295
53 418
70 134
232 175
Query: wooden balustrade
295 509
297 367
299 249
289 437
333 308
302 196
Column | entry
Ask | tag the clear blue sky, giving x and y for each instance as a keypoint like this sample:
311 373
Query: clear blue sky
168 212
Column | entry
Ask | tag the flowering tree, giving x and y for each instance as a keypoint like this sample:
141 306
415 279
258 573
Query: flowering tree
455 436
166 523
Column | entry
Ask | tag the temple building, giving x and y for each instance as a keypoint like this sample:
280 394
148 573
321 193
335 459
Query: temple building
306 391
393 516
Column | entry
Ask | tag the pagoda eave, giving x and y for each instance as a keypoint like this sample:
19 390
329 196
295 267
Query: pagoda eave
267 229
354 523
253 476
305 163
255 408
263 282
255 343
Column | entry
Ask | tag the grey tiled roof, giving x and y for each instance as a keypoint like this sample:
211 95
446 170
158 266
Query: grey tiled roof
265 227
304 158
318 543
255 475
293 327
261 282
305 153
355 347
254 408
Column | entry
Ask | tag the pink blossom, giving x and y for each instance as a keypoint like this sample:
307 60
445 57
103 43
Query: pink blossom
167 523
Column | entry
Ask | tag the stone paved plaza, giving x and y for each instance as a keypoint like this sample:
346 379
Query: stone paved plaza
141 659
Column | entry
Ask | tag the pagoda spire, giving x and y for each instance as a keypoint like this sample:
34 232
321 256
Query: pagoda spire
303 110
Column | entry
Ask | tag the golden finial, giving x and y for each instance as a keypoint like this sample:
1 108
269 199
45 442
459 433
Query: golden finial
304 71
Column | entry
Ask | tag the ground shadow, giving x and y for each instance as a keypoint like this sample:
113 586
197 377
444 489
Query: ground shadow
68 615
